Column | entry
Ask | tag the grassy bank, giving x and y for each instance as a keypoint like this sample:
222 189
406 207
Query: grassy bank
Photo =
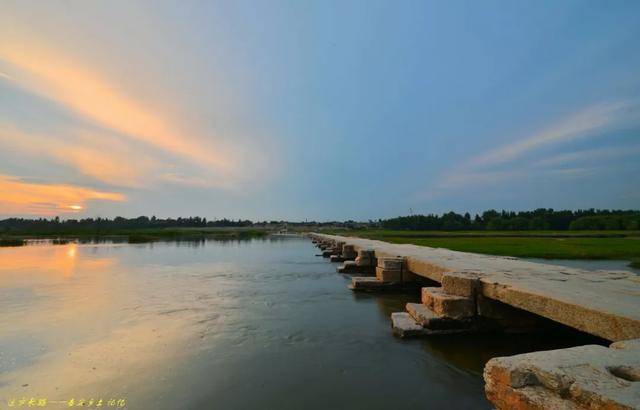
11 242
135 235
623 245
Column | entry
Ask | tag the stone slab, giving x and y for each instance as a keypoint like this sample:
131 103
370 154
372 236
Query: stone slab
591 376
394 276
461 283
603 303
390 263
372 284
444 304
427 318
404 326
365 283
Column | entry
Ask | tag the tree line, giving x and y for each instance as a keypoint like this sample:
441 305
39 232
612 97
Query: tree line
100 225
539 219
53 226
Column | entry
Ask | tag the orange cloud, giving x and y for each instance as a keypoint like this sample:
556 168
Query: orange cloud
99 156
43 69
19 197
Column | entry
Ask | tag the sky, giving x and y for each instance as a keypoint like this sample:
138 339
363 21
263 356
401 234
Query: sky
317 110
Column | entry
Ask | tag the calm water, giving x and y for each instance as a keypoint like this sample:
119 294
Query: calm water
220 325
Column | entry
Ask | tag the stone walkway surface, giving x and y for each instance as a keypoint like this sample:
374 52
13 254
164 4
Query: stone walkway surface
583 377
602 303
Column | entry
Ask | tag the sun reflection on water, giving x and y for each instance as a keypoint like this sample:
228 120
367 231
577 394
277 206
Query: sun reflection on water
71 323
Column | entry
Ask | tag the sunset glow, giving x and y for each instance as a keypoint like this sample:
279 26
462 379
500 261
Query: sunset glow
228 110
83 90
20 197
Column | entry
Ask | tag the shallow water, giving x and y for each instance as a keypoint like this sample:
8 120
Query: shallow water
230 325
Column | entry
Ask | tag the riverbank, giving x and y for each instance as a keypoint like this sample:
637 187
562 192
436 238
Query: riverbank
133 235
621 245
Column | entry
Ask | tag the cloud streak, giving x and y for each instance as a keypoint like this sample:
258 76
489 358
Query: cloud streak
571 128
99 156
29 198
481 170
598 154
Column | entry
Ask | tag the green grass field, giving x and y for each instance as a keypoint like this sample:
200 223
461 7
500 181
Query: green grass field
623 245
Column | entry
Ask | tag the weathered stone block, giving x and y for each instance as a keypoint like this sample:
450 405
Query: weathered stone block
386 275
366 257
425 268
349 252
390 263
444 304
365 283
404 326
360 261
461 283
427 318
420 313
336 258
367 253
592 376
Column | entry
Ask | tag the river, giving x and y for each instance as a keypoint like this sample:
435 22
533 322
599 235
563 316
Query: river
255 324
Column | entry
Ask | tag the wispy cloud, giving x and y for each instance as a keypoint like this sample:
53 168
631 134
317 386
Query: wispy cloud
99 156
29 198
180 179
597 154
575 126
511 161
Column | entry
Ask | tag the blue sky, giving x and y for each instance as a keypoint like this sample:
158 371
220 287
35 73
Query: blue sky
317 110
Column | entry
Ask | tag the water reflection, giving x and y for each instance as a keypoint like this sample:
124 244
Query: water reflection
66 329
53 261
